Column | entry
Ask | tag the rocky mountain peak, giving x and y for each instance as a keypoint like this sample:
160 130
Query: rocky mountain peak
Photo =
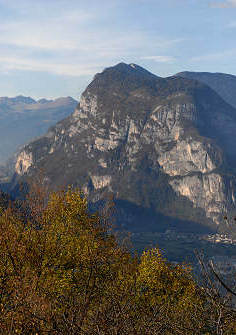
127 69
121 78
155 143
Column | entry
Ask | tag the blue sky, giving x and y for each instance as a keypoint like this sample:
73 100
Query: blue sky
51 48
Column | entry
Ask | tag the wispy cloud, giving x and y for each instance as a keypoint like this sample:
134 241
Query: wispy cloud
67 43
69 34
16 63
217 56
231 24
75 39
48 33
80 56
224 4
160 59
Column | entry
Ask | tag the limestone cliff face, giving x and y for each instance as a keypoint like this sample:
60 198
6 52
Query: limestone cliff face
206 191
148 140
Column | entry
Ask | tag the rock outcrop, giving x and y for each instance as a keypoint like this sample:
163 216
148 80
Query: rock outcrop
24 162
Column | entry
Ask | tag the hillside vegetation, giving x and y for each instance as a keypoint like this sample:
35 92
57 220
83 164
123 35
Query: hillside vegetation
62 271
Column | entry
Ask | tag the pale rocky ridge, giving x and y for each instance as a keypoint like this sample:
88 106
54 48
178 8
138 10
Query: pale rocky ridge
156 143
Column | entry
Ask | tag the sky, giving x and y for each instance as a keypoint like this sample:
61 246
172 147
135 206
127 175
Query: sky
52 48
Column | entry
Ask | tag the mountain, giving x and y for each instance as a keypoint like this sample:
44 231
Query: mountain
23 118
164 147
224 84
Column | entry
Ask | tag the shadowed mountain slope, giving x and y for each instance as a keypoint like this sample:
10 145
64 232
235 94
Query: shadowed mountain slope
224 84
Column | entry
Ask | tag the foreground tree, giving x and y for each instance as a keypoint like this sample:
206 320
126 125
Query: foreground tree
63 272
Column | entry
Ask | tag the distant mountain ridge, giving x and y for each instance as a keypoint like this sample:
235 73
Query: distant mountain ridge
20 99
161 146
224 84
23 118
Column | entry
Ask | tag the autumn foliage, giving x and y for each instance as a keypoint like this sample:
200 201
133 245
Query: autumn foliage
62 271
